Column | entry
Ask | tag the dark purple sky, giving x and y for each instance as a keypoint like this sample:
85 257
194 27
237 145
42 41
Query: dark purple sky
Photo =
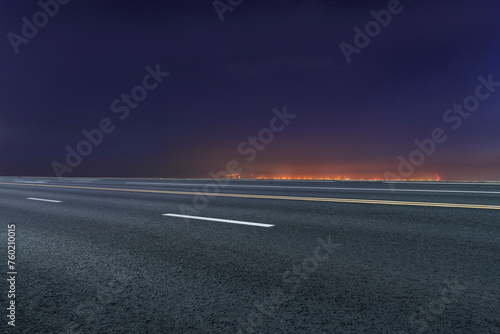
226 77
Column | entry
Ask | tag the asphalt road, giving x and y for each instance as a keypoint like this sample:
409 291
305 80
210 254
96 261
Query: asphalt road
114 256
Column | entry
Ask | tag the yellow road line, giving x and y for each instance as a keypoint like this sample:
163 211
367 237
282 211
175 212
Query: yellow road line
290 198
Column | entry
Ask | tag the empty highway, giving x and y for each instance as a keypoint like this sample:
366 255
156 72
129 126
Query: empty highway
98 255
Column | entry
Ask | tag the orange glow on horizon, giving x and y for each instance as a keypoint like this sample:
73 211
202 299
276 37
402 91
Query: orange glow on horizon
338 178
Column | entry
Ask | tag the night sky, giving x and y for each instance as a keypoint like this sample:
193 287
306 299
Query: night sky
352 119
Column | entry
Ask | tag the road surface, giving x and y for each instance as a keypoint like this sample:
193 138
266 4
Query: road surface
161 256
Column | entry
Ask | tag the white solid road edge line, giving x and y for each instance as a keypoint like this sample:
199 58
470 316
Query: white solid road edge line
218 220
44 200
